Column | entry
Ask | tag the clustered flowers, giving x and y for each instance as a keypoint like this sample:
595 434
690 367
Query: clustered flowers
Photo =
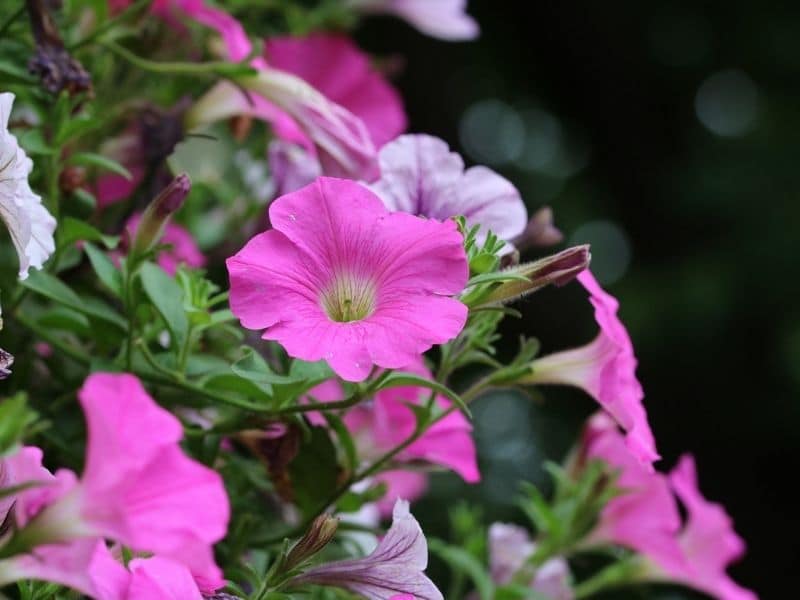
247 429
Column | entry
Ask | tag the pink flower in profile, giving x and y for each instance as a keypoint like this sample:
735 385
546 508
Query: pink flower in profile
606 370
137 487
444 19
421 176
510 547
645 516
386 421
707 540
338 69
395 568
181 247
340 278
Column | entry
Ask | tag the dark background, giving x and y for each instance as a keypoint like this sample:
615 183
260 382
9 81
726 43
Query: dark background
665 133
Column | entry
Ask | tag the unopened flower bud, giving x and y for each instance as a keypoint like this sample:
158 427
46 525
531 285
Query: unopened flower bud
557 269
540 231
158 213
315 539
6 360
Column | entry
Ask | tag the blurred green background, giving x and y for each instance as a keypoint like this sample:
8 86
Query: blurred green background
667 135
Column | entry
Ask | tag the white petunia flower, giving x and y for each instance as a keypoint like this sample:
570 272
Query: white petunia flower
30 225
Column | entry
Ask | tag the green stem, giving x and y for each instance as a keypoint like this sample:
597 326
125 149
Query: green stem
615 575
212 68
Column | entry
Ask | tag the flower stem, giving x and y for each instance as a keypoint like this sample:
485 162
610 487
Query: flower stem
213 68
618 574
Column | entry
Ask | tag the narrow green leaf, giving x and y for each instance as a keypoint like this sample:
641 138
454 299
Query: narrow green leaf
104 269
73 230
53 288
90 159
167 297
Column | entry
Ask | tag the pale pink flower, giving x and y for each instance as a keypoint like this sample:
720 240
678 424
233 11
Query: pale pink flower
510 547
606 370
420 175
707 540
444 19
645 517
138 487
410 485
29 224
340 278
395 567
181 248
292 167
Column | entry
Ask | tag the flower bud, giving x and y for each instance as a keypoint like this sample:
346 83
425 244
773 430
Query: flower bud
557 269
158 213
315 539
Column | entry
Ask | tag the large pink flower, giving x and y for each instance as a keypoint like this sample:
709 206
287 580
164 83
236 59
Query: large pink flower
421 176
606 370
708 540
340 278
445 19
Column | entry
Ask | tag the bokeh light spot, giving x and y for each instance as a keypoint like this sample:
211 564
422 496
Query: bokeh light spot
727 103
611 249
492 132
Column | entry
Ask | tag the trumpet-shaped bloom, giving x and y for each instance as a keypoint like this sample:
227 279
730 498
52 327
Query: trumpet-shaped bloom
419 175
30 225
340 278
444 19
606 370
395 567
292 167
510 546
707 540
180 246
343 73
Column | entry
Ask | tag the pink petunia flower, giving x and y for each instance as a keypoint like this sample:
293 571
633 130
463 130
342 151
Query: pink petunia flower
421 176
181 247
137 487
645 517
338 69
707 540
395 567
510 547
606 370
340 278
444 19
386 421
161 578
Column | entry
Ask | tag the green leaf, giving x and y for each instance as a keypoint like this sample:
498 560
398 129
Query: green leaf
496 277
345 439
33 142
314 471
167 297
73 230
105 269
463 562
90 159
15 419
302 375
53 288
400 379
